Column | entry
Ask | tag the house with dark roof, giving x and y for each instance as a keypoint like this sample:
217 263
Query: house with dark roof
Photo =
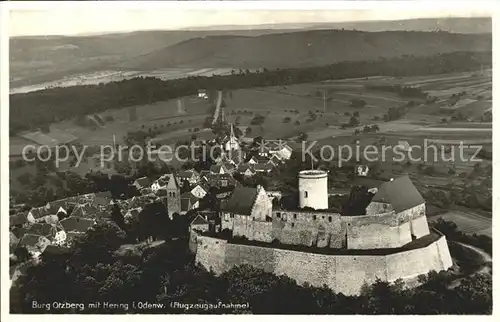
230 167
102 199
199 223
263 167
18 220
85 211
221 180
249 202
204 173
37 214
54 233
13 241
218 169
275 160
246 170
189 202
77 225
190 176
104 194
398 195
34 244
142 183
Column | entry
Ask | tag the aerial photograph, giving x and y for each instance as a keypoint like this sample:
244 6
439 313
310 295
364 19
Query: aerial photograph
182 161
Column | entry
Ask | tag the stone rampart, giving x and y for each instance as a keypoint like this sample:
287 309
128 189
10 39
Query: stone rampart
342 273
377 231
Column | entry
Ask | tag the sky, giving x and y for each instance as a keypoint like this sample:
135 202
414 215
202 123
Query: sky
66 20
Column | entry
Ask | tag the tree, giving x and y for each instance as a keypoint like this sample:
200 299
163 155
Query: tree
117 216
25 178
358 103
302 136
353 121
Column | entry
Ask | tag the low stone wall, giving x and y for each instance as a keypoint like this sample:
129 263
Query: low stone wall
342 273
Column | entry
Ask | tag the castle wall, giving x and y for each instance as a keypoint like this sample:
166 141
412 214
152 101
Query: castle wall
355 271
412 263
211 254
342 273
193 236
416 215
375 208
259 257
309 228
377 231
315 269
252 229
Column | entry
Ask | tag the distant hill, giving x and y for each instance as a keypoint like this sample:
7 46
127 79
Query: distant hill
47 58
305 48
453 25
38 59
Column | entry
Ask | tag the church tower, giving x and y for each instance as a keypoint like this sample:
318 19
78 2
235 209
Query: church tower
173 196
232 142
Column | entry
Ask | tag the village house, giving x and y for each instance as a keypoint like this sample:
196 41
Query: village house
54 233
361 170
190 176
199 191
18 220
199 223
159 184
189 202
275 160
246 170
218 169
75 226
221 180
247 201
132 214
84 211
142 183
34 244
263 167
13 242
284 152
204 173
43 214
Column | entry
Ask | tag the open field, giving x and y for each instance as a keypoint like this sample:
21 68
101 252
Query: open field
468 221
296 103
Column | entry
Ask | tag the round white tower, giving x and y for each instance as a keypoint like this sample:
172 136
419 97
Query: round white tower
313 189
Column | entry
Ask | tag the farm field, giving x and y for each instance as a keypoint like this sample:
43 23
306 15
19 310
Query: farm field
467 221
287 112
